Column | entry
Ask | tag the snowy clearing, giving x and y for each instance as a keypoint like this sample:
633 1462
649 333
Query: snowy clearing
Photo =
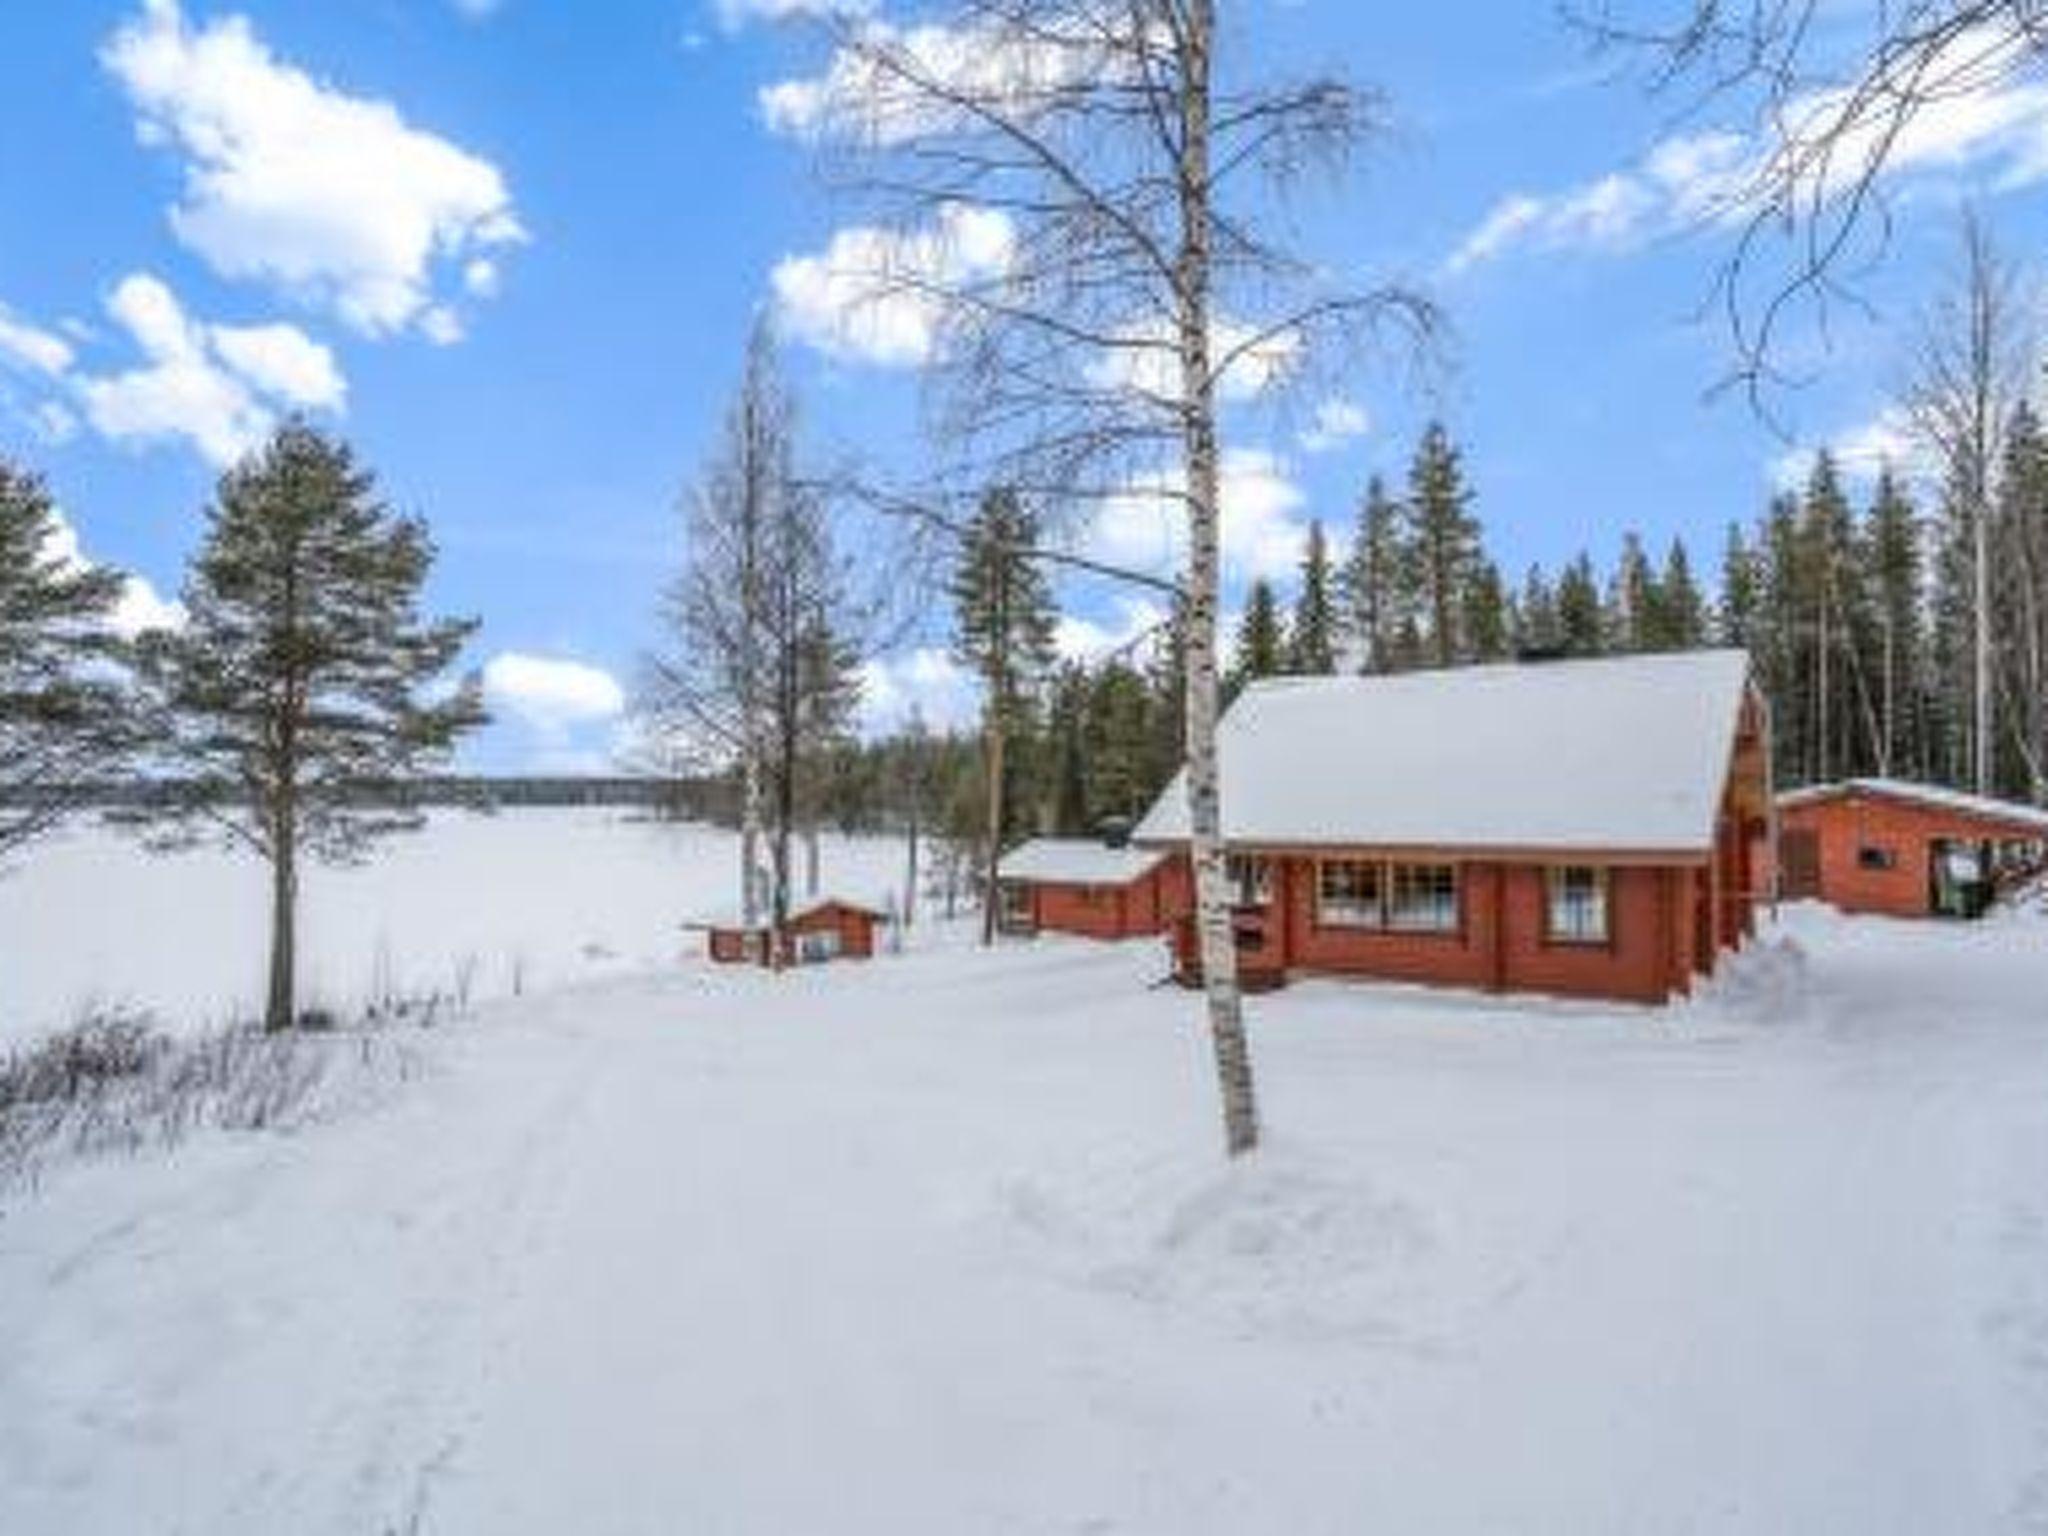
517 901
945 1244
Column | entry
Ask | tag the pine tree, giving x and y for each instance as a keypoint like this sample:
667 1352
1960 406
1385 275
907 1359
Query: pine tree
1376 580
1891 557
1444 538
1312 636
1484 613
1540 632
299 701
1631 617
1261 650
2019 590
1004 618
1118 727
1681 612
64 718
1579 621
1736 615
1067 747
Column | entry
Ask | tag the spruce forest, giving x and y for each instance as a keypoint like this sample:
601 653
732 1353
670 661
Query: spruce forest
1856 602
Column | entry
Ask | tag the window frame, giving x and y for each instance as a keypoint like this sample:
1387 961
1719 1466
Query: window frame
1376 922
1876 858
1250 876
1553 934
1396 923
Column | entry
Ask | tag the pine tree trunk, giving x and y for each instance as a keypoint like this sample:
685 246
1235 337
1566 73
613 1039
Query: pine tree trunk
280 1010
1205 819
993 852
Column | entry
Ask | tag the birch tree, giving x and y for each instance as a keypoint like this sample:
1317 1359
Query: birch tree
1116 164
755 672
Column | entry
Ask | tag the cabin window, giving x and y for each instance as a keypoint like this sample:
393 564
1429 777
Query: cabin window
1251 880
1424 898
1870 856
1577 908
1016 901
1351 893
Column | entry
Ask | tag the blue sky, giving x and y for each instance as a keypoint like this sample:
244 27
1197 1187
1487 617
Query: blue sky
512 250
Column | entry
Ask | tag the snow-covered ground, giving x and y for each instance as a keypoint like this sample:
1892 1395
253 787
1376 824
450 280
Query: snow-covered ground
945 1244
518 901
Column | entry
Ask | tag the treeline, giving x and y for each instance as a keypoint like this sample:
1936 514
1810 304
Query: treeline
1859 615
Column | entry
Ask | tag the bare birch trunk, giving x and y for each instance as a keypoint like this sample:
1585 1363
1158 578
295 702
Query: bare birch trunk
1205 812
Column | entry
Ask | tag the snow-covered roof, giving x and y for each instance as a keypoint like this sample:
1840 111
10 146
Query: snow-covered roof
1935 796
1620 754
1077 861
730 918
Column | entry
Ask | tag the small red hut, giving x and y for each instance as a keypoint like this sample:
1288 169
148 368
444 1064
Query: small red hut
1098 890
824 928
1903 849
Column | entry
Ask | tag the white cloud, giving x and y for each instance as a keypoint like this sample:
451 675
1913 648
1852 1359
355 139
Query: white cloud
1336 422
217 387
334 198
550 694
1979 120
868 296
284 362
1088 640
1149 362
1146 528
1013 64
735 14
926 679
139 606
1860 452
31 347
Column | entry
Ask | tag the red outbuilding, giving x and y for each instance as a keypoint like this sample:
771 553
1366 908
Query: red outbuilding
824 928
1904 850
1099 890
1596 828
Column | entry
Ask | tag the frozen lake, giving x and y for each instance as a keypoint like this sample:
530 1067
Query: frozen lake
518 901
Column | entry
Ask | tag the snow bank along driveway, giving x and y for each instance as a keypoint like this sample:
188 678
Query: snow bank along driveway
945 1245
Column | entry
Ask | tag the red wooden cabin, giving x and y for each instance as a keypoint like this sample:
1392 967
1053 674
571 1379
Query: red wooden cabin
1590 828
1904 850
1098 890
825 928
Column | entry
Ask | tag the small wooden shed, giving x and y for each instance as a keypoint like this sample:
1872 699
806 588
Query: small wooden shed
1096 889
824 928
1901 849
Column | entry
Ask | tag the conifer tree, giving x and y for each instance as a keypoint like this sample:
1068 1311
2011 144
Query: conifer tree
300 702
1892 560
1067 750
1681 612
1261 649
1376 580
2019 608
1118 727
1736 614
1485 616
1312 636
1579 620
64 717
1004 618
1444 540
1540 632
1631 618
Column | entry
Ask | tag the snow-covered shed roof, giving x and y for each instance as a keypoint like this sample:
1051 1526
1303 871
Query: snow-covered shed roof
1933 796
729 918
1617 754
1077 861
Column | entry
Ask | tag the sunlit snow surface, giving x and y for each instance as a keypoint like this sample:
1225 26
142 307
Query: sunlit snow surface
945 1243
520 900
